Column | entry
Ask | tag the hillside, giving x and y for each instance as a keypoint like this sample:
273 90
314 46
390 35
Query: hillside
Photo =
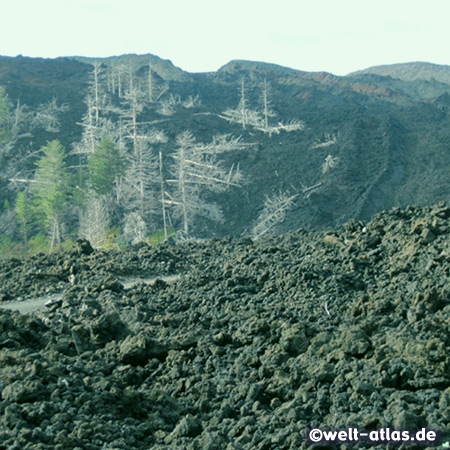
255 344
341 147
410 71
163 68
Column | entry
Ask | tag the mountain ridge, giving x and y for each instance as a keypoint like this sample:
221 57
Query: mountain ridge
410 71
163 67
407 71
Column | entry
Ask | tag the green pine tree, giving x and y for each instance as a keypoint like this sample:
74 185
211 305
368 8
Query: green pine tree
51 189
105 166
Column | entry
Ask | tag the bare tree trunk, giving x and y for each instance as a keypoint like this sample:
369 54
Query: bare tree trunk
120 70
141 187
265 93
96 86
110 80
94 220
91 128
150 84
182 181
196 170
163 201
274 212
56 234
243 104
134 122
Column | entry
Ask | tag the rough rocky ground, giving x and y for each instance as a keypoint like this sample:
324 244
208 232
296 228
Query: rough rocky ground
255 344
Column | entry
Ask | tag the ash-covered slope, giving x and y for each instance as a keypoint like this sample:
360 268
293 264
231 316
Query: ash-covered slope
389 136
254 345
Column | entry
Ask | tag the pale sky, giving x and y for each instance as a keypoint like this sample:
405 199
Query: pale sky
337 36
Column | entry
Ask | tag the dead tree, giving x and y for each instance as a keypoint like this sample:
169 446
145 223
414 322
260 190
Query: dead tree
135 228
140 185
94 221
140 179
243 114
274 212
330 163
266 90
134 106
163 195
196 170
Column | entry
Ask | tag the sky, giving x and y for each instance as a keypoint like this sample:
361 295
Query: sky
337 36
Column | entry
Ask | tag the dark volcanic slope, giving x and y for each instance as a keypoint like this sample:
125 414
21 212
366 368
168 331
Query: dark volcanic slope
257 343
389 135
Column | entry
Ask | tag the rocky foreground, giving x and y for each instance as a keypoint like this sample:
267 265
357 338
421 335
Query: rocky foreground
253 346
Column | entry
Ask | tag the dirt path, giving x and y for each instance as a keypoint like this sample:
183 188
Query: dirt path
35 304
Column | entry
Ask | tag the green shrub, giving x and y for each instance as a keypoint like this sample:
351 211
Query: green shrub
158 236
38 244
7 247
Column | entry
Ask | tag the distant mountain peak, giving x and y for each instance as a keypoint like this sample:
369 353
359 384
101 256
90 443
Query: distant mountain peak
163 67
244 65
411 71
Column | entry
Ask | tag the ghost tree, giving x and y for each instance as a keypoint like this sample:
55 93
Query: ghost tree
46 116
291 125
94 220
196 170
142 180
135 228
330 163
96 89
242 108
266 91
242 114
110 79
169 106
162 188
150 84
259 118
191 102
273 213
89 137
119 75
327 140
134 106
19 121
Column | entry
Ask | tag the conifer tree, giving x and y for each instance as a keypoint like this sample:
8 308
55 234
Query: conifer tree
51 189
24 214
106 166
